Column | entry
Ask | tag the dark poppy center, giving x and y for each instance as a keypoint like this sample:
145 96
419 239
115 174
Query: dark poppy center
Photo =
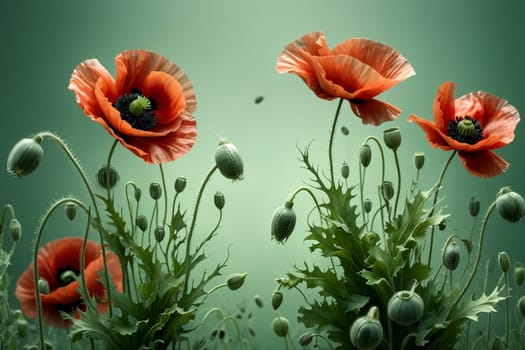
465 129
67 275
137 109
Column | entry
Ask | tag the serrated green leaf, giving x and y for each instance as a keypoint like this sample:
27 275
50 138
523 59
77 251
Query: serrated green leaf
472 307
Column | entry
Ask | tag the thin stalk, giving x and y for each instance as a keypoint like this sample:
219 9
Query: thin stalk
507 301
331 142
398 183
307 190
163 179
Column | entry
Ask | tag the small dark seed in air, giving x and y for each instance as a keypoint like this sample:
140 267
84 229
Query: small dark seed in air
259 99
344 130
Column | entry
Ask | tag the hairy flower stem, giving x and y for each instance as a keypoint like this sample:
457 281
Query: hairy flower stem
440 182
61 143
187 258
36 275
331 142
7 208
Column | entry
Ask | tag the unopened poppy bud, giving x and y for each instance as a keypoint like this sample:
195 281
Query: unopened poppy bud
392 138
365 154
451 256
15 229
388 190
521 305
405 307
419 160
366 332
305 339
283 222
142 222
510 206
345 170
280 326
107 177
236 280
43 286
155 191
367 205
159 233
71 210
229 161
25 156
218 199
277 299
259 301
503 261
137 193
180 184
519 274
473 206
21 327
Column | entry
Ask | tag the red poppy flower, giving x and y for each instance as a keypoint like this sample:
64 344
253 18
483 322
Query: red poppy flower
58 264
357 70
474 125
148 107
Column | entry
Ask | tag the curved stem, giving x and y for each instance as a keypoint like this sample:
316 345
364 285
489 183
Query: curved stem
163 179
192 227
398 183
440 181
330 144
108 166
306 189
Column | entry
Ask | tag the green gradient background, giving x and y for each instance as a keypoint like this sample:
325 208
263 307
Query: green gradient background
228 49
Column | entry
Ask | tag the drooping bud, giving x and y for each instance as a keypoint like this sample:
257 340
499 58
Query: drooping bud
366 333
367 205
473 206
503 261
277 299
280 326
305 339
236 280
419 160
345 170
219 201
107 177
43 286
510 206
519 273
71 210
388 190
229 161
142 222
450 257
283 222
180 184
392 138
155 191
25 156
259 301
159 233
15 229
365 154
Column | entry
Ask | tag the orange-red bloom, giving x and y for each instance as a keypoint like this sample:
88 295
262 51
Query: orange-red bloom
474 125
357 70
58 263
148 107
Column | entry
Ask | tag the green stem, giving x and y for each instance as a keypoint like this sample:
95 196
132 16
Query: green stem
330 144
187 256
507 321
440 181
165 195
7 207
108 166
307 190
398 183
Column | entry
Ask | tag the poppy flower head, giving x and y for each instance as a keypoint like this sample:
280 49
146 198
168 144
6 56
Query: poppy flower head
356 70
59 265
148 107
474 125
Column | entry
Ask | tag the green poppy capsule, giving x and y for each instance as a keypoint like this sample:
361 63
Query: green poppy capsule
15 229
280 326
392 138
405 307
521 305
519 273
25 156
155 191
503 261
229 161
71 210
283 222
419 160
511 206
450 257
277 299
180 184
218 200
107 177
236 280
365 154
366 333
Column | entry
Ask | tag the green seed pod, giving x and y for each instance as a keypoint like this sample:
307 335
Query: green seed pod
180 184
236 280
229 161
280 326
155 191
510 206
392 138
283 222
366 333
159 233
473 206
218 199
405 307
419 160
25 156
71 210
15 229
367 205
450 257
388 190
521 305
365 154
137 193
345 170
305 339
142 222
21 327
503 261
43 286
258 301
107 178
277 299
519 274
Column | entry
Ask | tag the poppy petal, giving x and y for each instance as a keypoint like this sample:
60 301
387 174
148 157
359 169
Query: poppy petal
389 63
374 111
444 106
483 163
168 95
432 132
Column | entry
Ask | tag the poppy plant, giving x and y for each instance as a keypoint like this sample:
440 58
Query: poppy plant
147 107
474 125
356 70
59 265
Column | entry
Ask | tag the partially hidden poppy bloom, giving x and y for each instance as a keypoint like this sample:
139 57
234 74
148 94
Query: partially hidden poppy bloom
148 107
474 125
59 265
356 70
